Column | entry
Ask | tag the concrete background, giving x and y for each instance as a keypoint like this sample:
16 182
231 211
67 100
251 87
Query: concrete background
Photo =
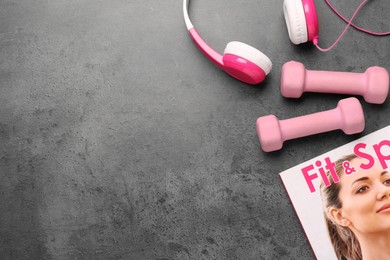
119 140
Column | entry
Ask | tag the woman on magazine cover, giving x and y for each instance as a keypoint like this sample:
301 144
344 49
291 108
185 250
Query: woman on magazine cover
357 210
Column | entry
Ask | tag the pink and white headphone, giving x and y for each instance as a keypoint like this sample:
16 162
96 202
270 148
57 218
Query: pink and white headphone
250 65
301 20
239 60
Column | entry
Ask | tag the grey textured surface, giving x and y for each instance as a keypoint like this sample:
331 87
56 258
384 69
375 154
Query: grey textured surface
119 140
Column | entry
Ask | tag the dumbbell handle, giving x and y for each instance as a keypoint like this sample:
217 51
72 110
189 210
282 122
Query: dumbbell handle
335 82
319 122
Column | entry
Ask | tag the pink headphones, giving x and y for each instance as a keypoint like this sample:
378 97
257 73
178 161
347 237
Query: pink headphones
250 65
239 60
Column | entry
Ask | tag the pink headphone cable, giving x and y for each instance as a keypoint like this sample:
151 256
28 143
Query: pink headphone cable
315 41
354 25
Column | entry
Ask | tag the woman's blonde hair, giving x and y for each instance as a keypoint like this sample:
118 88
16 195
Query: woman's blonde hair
342 238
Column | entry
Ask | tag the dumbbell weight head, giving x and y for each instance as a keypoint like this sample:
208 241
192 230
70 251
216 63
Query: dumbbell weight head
377 85
268 131
293 76
352 116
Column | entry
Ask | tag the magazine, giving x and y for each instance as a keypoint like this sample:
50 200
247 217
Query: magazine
359 169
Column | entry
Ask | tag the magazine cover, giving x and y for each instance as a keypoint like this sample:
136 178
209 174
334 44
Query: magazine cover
342 199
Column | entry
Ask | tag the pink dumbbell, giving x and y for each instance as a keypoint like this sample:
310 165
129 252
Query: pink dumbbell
347 116
373 84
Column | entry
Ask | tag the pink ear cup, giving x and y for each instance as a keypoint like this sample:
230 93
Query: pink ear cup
245 63
309 8
243 69
347 116
373 84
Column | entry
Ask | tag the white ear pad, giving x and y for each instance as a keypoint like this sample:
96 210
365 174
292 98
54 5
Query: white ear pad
295 21
249 53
